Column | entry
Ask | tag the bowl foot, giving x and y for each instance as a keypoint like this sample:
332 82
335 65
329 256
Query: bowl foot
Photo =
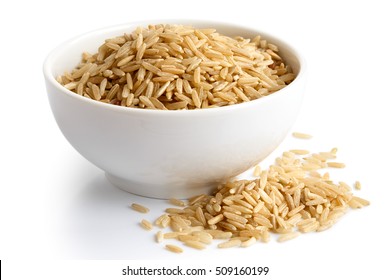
182 191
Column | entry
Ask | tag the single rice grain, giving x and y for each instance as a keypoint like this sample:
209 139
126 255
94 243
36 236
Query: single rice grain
140 208
230 243
248 242
195 244
174 248
301 135
146 224
288 236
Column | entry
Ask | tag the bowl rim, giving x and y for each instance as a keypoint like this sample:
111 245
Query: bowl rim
57 51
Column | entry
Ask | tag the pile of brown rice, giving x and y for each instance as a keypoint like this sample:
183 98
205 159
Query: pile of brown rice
291 197
173 67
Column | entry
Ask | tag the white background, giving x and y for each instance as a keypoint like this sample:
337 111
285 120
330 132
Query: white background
57 210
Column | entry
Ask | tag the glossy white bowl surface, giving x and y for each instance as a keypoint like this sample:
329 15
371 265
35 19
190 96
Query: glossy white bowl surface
167 154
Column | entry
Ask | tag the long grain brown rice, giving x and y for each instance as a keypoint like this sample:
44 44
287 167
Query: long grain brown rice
176 67
288 199
358 185
288 236
230 243
195 244
174 248
146 224
301 135
139 208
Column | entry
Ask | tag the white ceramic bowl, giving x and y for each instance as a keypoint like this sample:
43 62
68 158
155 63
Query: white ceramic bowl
167 154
